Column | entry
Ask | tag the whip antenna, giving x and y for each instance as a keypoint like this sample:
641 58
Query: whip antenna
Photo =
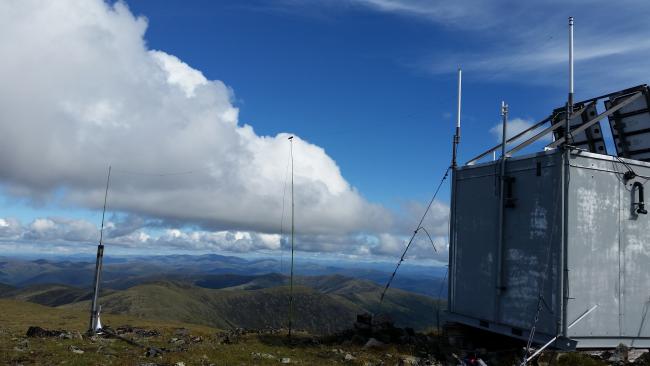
457 134
95 323
292 242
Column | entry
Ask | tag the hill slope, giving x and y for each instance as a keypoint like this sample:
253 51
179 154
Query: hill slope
200 345
322 304
252 309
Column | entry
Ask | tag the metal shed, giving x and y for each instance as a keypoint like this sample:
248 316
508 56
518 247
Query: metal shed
564 231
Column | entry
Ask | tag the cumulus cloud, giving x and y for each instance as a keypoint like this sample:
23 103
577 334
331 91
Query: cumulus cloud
81 90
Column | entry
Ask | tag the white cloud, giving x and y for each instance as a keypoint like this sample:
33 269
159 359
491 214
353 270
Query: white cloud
527 41
467 13
81 90
180 73
515 126
55 229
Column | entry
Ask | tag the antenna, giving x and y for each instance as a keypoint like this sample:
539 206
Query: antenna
292 241
566 176
457 134
502 183
95 323
570 99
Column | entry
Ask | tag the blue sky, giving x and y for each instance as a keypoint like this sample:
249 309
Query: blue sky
370 82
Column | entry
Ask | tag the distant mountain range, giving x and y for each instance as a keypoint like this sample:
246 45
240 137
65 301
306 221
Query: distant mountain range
194 289
124 272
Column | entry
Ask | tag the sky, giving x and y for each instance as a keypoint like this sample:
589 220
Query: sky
192 104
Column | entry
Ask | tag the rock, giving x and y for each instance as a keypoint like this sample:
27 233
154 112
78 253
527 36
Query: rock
408 361
76 350
349 357
285 360
146 333
373 343
196 339
364 322
153 352
643 359
181 332
261 355
179 363
176 341
38 332
70 335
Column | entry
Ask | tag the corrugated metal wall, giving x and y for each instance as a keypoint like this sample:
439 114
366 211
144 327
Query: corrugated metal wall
608 252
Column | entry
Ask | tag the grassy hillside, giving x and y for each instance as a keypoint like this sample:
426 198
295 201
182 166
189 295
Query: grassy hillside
253 309
322 304
50 295
4 288
248 349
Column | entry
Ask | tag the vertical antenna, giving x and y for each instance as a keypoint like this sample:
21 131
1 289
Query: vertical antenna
504 116
566 176
570 99
292 240
95 323
101 231
502 183
457 134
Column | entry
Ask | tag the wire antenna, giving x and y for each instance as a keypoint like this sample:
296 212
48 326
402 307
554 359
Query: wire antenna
415 232
292 242
101 231
284 195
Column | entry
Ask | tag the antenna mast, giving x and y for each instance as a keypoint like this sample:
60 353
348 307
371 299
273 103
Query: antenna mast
457 134
562 320
95 323
292 241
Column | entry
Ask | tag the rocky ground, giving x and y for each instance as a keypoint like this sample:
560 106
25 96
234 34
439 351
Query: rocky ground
56 337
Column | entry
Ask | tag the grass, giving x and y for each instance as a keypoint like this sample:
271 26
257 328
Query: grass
16 348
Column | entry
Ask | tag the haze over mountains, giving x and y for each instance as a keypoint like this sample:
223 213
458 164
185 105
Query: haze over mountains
226 292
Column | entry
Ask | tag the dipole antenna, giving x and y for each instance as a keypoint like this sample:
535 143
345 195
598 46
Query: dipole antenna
292 242
457 134
95 324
